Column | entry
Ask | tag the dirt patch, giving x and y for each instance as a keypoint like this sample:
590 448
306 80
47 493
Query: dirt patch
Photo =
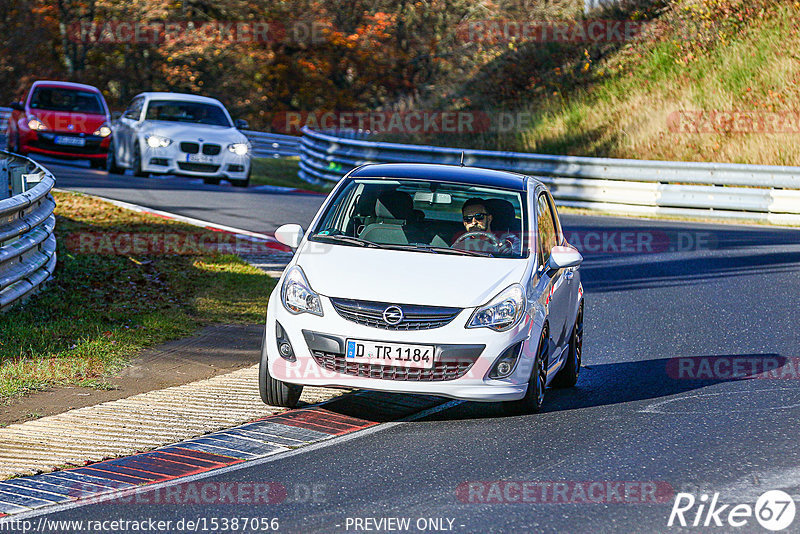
212 351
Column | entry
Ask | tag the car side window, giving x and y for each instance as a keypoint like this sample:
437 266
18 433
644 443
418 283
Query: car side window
559 232
134 111
547 235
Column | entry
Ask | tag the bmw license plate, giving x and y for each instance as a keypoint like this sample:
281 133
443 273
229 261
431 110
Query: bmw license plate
394 354
199 158
70 141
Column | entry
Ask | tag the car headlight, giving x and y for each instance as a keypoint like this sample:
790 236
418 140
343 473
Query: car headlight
297 295
36 124
240 149
502 312
103 131
156 141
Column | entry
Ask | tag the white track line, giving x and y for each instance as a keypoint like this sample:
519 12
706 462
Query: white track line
180 218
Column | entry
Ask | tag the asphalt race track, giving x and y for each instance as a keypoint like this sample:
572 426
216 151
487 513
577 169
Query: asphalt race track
251 209
674 312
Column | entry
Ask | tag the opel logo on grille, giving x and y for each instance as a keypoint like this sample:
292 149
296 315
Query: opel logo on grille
393 315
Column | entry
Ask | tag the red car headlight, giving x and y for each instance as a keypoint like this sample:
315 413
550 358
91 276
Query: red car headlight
35 124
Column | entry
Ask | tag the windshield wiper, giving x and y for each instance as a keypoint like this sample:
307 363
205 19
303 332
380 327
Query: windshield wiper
392 246
347 239
448 250
439 250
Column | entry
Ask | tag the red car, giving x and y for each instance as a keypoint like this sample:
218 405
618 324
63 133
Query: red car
63 120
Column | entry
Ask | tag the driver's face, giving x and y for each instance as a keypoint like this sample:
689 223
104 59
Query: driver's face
472 214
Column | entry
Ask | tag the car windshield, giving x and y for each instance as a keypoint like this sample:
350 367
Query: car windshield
426 216
60 99
193 112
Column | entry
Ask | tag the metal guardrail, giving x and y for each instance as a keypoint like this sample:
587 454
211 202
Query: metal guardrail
719 190
591 5
270 145
27 242
5 113
265 145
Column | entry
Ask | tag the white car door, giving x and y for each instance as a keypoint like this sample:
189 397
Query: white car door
126 133
571 281
558 302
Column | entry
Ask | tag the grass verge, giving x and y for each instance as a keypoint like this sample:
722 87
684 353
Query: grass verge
100 309
282 172
715 80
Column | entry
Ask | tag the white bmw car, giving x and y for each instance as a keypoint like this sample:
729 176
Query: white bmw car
176 133
428 279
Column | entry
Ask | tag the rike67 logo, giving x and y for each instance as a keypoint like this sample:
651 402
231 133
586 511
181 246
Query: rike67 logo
774 510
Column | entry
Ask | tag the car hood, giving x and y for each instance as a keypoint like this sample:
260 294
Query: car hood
181 131
406 277
60 121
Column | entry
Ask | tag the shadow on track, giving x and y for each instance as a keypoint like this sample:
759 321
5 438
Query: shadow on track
657 254
599 385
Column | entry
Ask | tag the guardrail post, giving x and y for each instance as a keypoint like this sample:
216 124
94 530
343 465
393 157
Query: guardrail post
5 182
17 179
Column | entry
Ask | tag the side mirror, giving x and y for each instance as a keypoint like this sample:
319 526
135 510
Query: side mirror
241 124
17 106
115 115
563 258
290 235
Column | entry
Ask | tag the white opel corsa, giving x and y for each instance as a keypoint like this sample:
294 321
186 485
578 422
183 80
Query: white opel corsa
176 133
428 279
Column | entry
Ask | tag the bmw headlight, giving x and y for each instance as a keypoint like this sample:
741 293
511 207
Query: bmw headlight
103 131
240 149
502 312
297 295
157 141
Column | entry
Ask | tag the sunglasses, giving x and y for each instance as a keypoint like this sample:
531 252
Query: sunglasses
478 217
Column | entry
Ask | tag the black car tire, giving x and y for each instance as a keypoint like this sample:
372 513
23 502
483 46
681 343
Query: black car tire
137 162
211 180
273 391
534 397
111 161
567 377
14 147
245 182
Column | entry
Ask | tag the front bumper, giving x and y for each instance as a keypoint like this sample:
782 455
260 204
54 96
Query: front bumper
315 338
172 160
94 146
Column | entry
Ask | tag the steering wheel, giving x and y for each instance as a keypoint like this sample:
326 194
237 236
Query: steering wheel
483 241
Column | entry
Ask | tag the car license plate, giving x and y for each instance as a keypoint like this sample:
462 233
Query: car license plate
199 158
71 141
394 354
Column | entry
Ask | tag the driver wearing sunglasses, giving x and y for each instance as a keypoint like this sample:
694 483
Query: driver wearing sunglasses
475 216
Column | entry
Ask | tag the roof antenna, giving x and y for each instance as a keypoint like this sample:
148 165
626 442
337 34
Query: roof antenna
462 158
